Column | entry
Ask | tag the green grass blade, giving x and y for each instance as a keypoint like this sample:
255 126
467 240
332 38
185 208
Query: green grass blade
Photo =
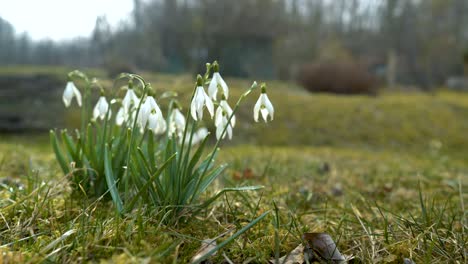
69 146
111 183
58 153
233 189
90 146
230 239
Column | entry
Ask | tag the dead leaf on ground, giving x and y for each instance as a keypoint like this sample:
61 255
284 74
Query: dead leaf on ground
321 247
294 257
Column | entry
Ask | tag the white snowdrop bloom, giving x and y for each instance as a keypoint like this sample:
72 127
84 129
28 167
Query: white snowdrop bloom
100 110
156 122
213 87
70 92
200 99
227 109
221 121
151 113
130 101
176 123
223 112
263 106
199 135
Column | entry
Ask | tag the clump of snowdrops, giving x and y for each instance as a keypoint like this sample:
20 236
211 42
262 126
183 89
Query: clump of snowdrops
128 149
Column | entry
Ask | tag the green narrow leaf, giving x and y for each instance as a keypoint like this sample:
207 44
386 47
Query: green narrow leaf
196 157
143 160
58 153
70 146
90 147
209 178
111 183
230 239
150 180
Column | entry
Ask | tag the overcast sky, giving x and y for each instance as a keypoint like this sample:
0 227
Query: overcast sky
61 19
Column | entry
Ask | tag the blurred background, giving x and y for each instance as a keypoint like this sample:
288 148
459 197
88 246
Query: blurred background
365 47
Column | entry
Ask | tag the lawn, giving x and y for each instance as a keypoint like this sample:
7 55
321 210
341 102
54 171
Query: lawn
384 176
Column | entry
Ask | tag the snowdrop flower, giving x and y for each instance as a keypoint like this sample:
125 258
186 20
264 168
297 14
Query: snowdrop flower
227 109
200 99
199 135
130 100
223 112
176 123
215 81
264 106
221 122
70 92
100 110
156 122
151 113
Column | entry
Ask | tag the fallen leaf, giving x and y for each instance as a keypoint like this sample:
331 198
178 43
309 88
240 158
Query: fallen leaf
236 176
248 173
321 247
294 257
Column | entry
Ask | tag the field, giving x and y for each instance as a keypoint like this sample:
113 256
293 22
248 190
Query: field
385 176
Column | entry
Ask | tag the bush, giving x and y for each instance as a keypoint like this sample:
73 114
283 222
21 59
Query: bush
340 78
465 57
115 67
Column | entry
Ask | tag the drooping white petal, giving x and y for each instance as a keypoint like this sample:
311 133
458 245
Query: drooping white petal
156 123
209 104
221 126
130 101
213 87
197 104
100 110
223 84
120 117
152 122
200 99
257 108
70 92
179 119
269 106
176 123
218 116
219 130
162 127
199 135
264 113
229 131
143 115
228 111
77 95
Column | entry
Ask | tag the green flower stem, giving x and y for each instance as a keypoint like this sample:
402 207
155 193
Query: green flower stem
132 135
215 148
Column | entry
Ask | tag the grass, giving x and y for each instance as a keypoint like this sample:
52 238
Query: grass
386 177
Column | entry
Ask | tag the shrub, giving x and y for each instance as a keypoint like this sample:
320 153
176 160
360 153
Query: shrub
465 57
340 78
